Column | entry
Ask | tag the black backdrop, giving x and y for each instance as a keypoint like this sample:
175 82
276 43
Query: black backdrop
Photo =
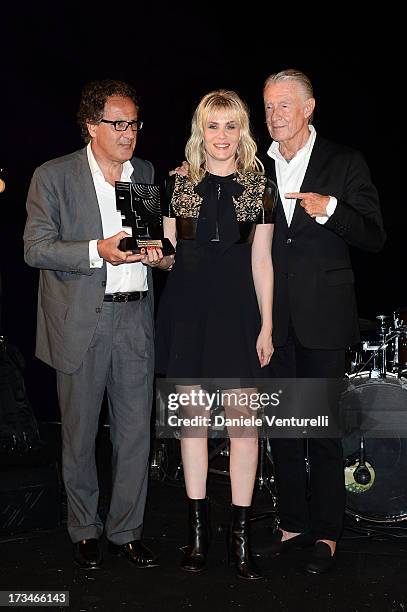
173 59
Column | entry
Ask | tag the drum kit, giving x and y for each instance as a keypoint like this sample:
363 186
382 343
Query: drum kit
383 348
376 467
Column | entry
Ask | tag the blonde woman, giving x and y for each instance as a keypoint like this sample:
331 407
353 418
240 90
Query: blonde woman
215 315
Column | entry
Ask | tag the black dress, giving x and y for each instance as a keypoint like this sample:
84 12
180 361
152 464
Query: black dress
208 317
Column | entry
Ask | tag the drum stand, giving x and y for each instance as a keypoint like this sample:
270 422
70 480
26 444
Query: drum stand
379 353
265 481
383 329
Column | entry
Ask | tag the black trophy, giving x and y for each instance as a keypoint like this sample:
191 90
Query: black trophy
140 208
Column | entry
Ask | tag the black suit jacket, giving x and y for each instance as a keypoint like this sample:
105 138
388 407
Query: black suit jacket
313 277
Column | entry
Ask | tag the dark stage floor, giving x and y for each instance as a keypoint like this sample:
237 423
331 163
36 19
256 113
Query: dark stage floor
370 573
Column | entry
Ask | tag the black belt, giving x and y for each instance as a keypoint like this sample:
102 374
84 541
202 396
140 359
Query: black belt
131 296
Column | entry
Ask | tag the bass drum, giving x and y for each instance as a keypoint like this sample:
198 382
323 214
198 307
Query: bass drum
383 402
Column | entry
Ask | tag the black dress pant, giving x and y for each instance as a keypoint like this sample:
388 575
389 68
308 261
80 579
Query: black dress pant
315 504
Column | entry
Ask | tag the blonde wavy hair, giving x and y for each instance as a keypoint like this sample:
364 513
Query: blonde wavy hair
221 99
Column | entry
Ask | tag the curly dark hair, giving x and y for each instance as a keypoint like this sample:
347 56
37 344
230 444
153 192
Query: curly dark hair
93 100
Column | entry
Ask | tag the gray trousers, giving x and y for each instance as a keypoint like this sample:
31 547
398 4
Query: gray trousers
120 359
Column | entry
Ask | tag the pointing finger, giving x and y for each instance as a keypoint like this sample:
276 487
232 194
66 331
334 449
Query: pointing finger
296 196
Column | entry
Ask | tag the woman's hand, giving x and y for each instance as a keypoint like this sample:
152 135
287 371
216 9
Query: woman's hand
264 347
152 256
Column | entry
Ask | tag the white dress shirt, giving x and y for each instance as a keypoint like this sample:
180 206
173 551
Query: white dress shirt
124 277
290 175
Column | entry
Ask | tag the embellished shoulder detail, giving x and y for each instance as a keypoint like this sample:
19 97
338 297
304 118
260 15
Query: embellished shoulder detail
250 203
249 206
185 202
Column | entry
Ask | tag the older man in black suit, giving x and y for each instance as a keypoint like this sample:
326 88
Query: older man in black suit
327 203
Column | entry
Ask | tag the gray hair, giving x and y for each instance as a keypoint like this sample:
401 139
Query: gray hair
291 74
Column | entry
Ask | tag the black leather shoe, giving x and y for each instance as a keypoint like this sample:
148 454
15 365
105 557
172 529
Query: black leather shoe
135 552
321 560
279 547
88 554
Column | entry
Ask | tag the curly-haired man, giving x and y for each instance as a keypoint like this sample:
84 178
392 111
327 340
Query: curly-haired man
95 319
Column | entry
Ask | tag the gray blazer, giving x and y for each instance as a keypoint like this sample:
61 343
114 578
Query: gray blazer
63 215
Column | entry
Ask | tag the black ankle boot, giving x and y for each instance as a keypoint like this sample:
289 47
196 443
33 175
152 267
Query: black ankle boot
196 552
239 544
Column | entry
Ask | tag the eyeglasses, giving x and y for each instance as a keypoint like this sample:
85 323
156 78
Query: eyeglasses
121 126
